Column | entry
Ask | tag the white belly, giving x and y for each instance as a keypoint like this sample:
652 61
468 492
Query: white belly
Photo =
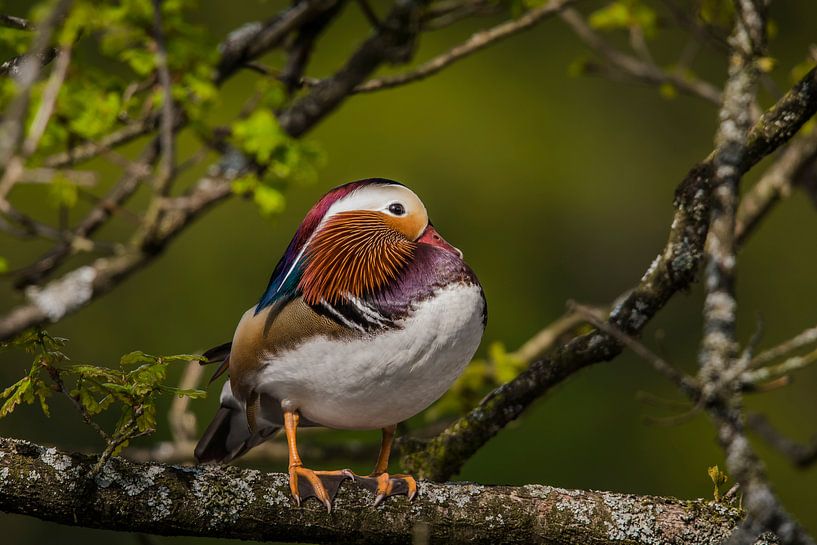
384 379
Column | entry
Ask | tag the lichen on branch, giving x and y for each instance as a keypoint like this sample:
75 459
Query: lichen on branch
229 502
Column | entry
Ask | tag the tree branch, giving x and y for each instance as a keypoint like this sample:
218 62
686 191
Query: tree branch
636 68
476 42
800 455
230 502
720 365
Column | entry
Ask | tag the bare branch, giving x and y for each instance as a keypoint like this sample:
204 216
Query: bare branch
49 100
476 42
254 39
720 365
636 68
807 337
89 150
10 21
167 125
686 384
11 128
775 184
802 456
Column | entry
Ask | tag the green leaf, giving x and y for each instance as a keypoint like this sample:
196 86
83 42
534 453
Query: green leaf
137 357
87 400
624 14
269 200
259 134
180 392
506 367
62 192
142 62
668 91
16 394
147 420
42 391
4 265
245 184
718 478
181 357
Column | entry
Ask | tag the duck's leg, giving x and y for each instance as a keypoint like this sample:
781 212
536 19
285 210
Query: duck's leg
380 482
305 483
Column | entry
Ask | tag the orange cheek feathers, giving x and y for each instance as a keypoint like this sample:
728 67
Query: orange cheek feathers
410 226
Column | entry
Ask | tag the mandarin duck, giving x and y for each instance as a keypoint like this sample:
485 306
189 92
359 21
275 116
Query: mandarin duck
368 318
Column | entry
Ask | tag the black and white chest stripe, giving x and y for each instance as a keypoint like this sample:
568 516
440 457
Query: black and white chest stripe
355 313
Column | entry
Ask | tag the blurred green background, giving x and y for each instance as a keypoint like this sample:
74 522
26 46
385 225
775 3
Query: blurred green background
555 187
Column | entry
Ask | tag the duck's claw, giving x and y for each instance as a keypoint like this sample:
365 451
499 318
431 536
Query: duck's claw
385 485
323 485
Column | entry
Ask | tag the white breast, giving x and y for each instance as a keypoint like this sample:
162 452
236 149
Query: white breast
384 378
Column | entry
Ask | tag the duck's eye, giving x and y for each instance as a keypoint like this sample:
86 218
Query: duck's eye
397 209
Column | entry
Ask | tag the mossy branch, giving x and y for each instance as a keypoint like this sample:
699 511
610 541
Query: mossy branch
229 502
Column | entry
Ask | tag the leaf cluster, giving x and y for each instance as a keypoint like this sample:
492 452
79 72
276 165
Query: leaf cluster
132 388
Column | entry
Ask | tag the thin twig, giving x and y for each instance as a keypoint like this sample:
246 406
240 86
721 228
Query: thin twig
807 337
635 68
57 378
764 374
686 384
476 42
49 100
10 21
775 184
800 455
12 126
166 129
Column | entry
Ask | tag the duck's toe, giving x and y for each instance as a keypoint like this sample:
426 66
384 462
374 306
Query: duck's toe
384 485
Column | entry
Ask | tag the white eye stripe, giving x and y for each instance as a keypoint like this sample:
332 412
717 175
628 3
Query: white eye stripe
374 197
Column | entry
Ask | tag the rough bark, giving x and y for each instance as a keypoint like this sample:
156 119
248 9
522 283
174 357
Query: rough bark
214 501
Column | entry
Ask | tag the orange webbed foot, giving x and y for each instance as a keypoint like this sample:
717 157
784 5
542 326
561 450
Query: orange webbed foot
305 483
384 485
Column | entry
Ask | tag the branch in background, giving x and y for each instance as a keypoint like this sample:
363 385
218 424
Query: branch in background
636 68
720 365
134 175
18 23
15 168
544 340
443 14
807 337
673 270
801 456
14 66
212 501
167 138
252 40
89 150
11 127
393 43
476 42
686 384
775 184
300 50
